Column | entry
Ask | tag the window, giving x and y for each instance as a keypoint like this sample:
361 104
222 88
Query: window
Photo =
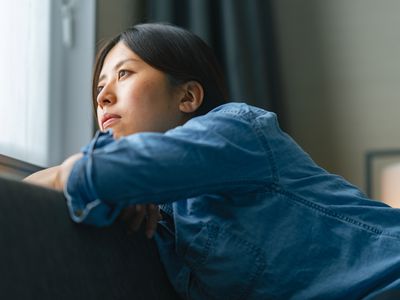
46 60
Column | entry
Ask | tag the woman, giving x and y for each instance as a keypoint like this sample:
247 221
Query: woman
246 213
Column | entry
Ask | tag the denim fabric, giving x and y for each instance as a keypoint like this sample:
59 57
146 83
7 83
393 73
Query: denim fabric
249 215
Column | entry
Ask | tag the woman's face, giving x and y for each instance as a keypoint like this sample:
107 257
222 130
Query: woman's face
135 97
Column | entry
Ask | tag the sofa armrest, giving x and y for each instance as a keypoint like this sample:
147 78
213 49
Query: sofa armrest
44 255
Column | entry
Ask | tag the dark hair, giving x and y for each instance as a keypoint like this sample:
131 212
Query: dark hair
180 54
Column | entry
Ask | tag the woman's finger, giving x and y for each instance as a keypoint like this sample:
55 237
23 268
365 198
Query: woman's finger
127 213
153 213
138 217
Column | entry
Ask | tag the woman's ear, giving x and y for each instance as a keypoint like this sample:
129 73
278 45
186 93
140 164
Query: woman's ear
192 97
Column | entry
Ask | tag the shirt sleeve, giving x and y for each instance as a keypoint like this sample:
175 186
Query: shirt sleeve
216 153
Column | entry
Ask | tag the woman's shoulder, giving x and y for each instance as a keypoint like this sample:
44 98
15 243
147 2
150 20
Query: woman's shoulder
241 107
234 120
242 110
254 116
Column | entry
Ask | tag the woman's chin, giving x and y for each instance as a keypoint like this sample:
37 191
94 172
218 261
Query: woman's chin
117 134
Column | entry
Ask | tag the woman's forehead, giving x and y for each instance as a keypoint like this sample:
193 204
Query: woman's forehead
120 52
117 56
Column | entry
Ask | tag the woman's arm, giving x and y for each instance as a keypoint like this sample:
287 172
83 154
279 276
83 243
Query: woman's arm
134 215
216 153
54 177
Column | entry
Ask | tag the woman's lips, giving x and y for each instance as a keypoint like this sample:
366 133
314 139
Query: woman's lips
109 119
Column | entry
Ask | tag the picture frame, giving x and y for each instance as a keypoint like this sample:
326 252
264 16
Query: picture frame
376 162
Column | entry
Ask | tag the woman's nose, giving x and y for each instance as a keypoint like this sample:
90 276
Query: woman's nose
106 96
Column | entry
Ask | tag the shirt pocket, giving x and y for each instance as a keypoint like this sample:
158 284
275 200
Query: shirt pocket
223 265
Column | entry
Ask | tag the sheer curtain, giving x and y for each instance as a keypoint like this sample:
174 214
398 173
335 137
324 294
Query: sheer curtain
24 79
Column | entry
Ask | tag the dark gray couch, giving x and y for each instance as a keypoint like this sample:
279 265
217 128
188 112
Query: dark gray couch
44 255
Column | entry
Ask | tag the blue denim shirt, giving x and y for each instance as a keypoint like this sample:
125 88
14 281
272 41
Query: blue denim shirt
249 215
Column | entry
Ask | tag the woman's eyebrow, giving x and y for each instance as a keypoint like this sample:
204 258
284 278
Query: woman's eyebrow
119 64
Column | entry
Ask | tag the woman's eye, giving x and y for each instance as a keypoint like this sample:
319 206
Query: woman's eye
99 89
122 73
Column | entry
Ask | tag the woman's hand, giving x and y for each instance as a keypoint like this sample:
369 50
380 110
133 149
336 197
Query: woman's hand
46 177
54 177
135 215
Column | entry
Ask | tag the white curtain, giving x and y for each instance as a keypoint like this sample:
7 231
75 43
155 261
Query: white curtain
24 79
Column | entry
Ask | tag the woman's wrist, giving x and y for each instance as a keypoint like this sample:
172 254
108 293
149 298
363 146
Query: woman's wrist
65 170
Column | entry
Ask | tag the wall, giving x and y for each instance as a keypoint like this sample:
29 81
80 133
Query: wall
341 78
